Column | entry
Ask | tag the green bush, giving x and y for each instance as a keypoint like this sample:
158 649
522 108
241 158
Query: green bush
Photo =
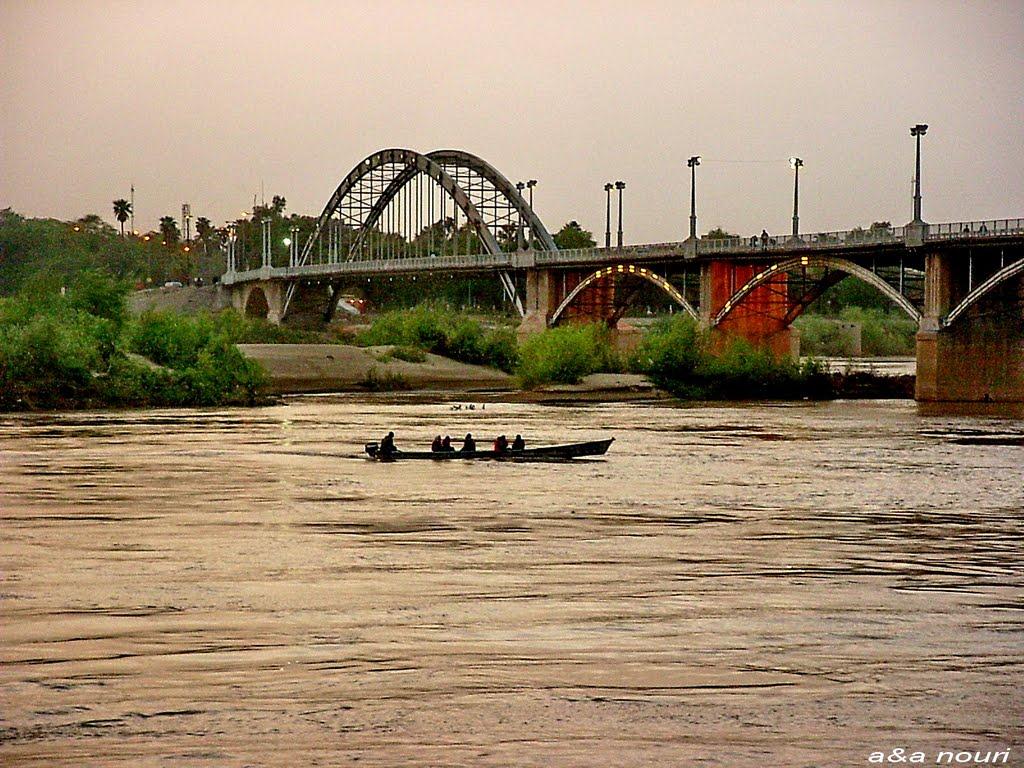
408 354
389 381
882 333
450 334
49 358
566 354
70 350
678 356
253 330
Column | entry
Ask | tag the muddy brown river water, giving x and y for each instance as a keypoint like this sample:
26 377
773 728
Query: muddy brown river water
768 585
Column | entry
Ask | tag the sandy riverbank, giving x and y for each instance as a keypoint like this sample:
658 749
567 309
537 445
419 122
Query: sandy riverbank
293 368
302 368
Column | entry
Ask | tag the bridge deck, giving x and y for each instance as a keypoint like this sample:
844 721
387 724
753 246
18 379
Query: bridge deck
753 248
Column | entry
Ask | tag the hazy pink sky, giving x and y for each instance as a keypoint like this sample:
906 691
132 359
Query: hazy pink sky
203 101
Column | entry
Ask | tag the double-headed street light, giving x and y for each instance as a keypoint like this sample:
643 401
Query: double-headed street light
620 185
692 164
917 132
530 185
795 163
608 215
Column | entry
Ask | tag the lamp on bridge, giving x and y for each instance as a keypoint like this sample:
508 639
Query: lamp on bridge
520 240
917 132
795 163
692 164
608 215
620 185
530 185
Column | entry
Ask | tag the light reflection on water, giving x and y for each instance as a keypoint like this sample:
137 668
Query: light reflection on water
791 584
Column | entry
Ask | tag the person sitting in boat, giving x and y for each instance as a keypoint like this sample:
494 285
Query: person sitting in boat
468 444
436 445
387 445
518 444
446 445
501 444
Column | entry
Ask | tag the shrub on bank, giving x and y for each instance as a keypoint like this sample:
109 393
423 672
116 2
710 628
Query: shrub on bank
453 335
678 356
70 350
565 354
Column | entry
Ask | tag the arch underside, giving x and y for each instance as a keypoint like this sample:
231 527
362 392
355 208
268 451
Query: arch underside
256 303
1001 277
492 209
808 278
625 271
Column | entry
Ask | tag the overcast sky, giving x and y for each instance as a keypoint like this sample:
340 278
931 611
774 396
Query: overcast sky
204 101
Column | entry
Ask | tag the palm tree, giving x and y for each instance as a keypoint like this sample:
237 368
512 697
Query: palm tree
122 210
169 230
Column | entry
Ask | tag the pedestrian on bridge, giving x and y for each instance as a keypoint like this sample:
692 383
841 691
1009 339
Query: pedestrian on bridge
764 239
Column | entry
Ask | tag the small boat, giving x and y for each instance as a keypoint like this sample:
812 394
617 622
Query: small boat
540 453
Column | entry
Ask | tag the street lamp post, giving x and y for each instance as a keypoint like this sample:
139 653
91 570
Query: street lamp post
530 185
608 216
692 163
795 163
620 185
917 132
519 231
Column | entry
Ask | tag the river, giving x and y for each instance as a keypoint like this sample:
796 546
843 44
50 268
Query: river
733 585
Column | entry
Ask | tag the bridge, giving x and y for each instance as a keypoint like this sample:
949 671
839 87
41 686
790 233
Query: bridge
400 212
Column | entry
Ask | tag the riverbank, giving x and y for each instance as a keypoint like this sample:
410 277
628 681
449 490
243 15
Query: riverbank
300 368
310 368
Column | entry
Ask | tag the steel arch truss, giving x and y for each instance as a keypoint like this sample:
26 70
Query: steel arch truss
395 204
829 270
624 270
499 202
1003 275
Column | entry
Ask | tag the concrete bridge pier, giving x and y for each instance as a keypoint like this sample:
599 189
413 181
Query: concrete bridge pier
541 300
263 299
980 357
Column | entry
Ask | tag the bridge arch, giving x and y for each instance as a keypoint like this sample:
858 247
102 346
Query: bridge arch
487 199
830 262
404 165
455 161
1004 275
626 270
256 303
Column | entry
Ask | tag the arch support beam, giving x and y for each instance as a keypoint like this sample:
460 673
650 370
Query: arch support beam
624 270
830 262
1000 277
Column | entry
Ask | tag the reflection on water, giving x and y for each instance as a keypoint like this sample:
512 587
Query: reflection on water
764 585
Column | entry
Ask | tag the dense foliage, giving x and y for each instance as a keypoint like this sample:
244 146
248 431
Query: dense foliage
566 354
680 357
882 333
78 349
453 335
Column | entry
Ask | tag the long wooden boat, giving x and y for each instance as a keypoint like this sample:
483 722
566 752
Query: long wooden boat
540 453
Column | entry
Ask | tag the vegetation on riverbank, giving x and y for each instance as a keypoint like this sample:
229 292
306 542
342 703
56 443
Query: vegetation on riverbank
882 333
455 335
81 349
677 356
565 354
680 357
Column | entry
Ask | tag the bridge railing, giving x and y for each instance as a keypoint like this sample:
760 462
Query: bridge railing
966 230
626 252
812 240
